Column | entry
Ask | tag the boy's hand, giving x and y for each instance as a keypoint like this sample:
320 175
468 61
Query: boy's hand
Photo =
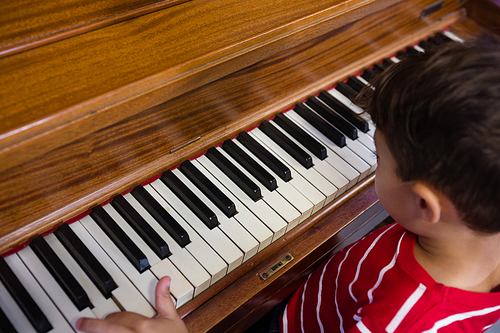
166 320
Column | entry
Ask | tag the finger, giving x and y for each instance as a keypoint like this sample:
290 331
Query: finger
128 319
90 325
164 305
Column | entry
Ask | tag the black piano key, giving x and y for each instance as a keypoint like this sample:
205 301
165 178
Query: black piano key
60 273
333 117
286 144
344 111
143 228
212 192
434 41
355 83
400 54
410 50
235 174
347 90
136 257
5 324
265 156
321 125
368 74
386 63
174 229
23 299
82 255
198 207
426 45
301 136
442 37
251 165
378 68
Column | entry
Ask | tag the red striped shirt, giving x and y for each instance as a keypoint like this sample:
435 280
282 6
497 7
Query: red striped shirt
376 285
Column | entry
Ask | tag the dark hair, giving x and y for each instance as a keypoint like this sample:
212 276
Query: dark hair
440 114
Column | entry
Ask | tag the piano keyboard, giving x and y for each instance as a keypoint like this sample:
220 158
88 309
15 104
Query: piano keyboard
198 222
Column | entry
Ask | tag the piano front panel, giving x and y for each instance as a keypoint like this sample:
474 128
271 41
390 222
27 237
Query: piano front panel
43 191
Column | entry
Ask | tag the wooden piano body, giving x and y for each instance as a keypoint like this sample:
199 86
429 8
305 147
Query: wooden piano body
96 99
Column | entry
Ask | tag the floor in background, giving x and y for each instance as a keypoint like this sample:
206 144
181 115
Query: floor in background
494 329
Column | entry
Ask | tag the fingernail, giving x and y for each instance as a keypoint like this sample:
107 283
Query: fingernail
78 323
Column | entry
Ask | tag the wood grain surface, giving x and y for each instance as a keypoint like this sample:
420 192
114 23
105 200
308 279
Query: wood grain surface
26 24
42 186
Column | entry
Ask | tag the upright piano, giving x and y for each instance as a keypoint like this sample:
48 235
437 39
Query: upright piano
108 99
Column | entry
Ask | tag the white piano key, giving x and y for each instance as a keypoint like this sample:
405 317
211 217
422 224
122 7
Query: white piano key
367 155
395 60
367 140
180 257
335 161
418 48
355 145
228 251
345 153
126 294
244 216
13 312
153 259
52 288
180 287
360 78
322 166
198 248
274 226
294 190
101 306
311 175
286 210
229 226
453 36
36 292
347 102
144 282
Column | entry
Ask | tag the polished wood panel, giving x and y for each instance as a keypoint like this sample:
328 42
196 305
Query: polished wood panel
26 24
115 72
486 13
100 162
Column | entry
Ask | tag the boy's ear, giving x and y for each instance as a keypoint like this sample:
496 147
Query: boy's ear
427 202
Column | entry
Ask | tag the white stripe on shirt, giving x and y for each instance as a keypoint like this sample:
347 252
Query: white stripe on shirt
407 306
362 328
285 319
336 288
320 323
384 270
302 305
460 316
363 259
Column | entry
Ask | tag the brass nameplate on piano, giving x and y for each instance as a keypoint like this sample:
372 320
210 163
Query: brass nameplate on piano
268 272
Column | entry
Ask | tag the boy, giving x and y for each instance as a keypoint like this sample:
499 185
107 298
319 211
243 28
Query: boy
437 270
438 176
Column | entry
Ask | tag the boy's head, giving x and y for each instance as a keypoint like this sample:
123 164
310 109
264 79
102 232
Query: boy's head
439 113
